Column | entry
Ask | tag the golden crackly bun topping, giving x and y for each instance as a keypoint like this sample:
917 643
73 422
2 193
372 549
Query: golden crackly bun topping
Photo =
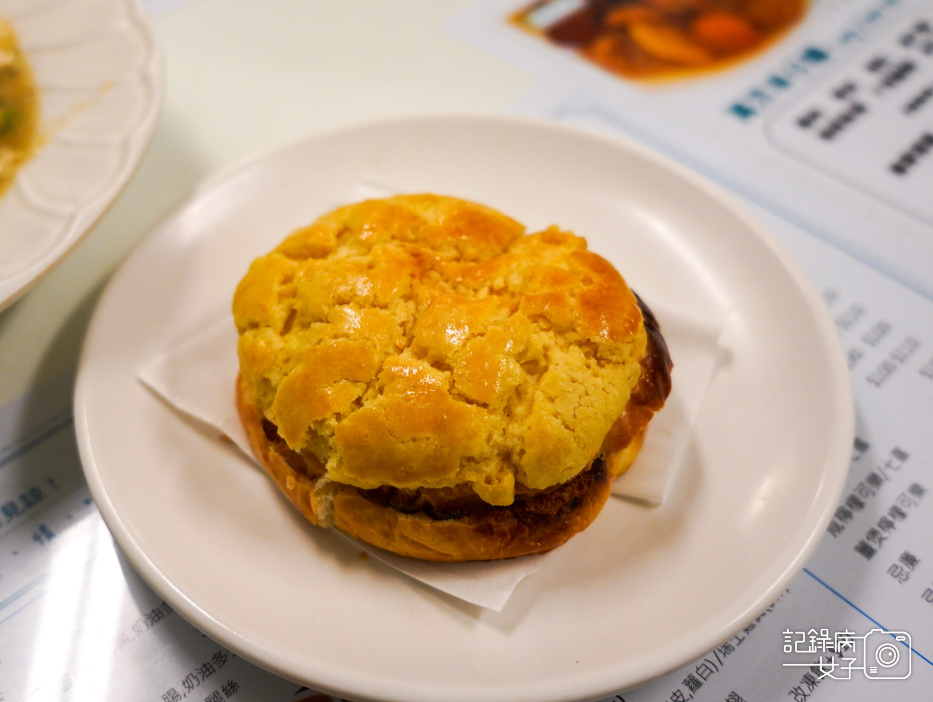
424 341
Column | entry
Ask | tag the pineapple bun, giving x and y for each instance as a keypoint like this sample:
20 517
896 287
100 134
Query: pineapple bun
423 374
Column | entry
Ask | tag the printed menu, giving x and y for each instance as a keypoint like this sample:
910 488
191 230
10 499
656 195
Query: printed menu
822 126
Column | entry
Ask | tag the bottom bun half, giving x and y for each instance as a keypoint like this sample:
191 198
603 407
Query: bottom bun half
537 522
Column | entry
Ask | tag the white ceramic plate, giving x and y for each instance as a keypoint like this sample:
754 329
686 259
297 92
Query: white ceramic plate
99 75
642 591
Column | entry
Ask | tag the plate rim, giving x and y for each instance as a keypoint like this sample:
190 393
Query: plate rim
832 483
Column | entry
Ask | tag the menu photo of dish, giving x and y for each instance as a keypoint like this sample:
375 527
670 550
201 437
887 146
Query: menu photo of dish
661 39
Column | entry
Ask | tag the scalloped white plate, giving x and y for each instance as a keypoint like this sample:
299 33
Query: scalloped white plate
640 592
99 75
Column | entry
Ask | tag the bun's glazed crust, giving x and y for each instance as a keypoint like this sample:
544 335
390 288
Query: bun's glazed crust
423 375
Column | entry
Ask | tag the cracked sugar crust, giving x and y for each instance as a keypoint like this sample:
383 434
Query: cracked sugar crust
427 341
